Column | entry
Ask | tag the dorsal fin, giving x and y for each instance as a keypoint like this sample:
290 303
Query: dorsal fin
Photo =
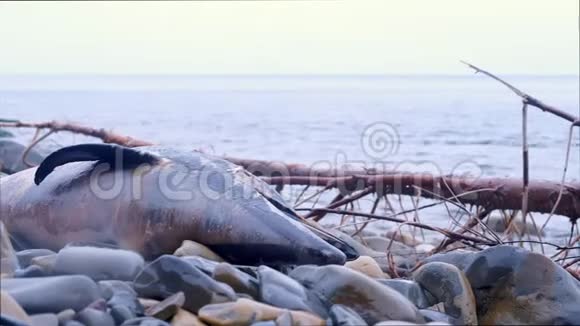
108 153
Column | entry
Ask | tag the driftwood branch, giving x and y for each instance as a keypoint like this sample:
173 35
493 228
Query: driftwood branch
526 98
490 193
56 126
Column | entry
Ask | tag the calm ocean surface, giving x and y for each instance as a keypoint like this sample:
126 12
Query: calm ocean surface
434 124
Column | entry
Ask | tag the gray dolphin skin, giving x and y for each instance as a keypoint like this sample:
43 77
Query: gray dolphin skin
150 199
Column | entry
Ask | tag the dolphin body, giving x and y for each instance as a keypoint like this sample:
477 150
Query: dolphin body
150 199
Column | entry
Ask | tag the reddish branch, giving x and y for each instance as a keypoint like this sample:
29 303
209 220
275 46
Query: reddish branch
491 193
104 135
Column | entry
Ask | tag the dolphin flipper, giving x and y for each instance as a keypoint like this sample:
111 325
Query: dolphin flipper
115 155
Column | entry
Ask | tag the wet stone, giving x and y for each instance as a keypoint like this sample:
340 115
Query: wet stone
449 285
11 156
246 312
436 316
281 291
367 266
8 260
238 280
205 265
99 263
9 321
31 271
65 315
5 133
192 248
510 282
25 256
145 321
121 314
44 320
373 301
167 308
120 293
46 263
285 319
99 304
410 290
341 315
94 317
73 323
185 318
9 307
58 293
169 274
265 323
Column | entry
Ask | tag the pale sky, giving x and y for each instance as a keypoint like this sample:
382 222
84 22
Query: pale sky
289 37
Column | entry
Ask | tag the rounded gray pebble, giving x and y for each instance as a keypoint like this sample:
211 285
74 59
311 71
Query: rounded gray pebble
145 321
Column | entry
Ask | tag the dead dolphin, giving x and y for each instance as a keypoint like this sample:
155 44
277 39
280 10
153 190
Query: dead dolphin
152 199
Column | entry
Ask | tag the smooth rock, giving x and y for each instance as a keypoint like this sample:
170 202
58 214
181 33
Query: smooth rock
265 323
186 318
373 301
205 265
58 293
5 133
65 315
94 317
238 280
9 321
341 315
410 290
8 260
11 156
9 307
46 263
367 266
436 316
167 308
121 314
99 304
120 293
449 285
460 258
510 282
169 274
145 321
44 320
281 291
31 271
246 312
73 323
192 248
25 256
285 319
99 263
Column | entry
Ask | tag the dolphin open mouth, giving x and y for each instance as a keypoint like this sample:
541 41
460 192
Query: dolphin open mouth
257 254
